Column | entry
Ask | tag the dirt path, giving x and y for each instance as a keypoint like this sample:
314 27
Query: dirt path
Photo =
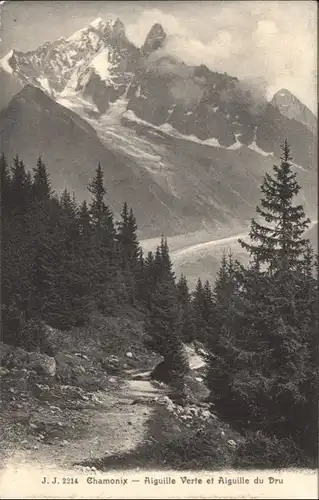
110 426
113 426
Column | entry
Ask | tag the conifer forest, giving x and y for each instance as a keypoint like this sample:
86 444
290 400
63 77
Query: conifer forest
65 261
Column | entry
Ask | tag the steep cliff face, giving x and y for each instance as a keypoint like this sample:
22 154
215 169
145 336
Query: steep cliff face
290 106
154 40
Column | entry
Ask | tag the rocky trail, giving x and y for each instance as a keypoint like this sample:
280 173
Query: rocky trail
107 425
63 435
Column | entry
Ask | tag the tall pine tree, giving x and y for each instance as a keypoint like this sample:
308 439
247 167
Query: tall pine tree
105 273
187 315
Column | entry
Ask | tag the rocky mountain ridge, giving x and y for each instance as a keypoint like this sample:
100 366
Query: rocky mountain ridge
293 108
186 147
99 63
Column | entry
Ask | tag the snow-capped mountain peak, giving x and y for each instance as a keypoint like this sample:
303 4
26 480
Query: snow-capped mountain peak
98 24
85 59
100 65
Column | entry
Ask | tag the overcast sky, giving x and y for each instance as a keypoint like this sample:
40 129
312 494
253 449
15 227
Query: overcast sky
275 41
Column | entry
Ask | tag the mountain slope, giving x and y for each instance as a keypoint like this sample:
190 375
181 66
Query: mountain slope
35 125
101 65
174 185
10 85
185 146
292 108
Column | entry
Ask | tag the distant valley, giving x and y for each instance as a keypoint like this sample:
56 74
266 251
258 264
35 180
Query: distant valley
186 147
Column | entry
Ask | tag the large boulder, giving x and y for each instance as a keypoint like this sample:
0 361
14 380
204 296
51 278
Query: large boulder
162 373
12 357
42 364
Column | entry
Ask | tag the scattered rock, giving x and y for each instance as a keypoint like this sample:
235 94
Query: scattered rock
194 411
231 442
170 407
43 387
95 399
42 364
113 359
80 355
206 414
202 352
55 408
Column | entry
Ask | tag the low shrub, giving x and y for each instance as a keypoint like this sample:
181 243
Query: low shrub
266 452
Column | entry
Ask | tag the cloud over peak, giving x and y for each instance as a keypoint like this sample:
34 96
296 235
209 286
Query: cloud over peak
251 40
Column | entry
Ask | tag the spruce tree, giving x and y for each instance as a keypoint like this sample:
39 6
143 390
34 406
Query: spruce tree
105 274
17 242
101 215
208 307
164 323
69 303
85 222
20 189
187 317
198 310
128 250
221 341
164 336
278 244
5 180
148 279
86 247
270 351
43 220
41 182
139 278
166 263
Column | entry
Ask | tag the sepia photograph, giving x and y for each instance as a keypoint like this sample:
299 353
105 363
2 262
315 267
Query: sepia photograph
159 249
